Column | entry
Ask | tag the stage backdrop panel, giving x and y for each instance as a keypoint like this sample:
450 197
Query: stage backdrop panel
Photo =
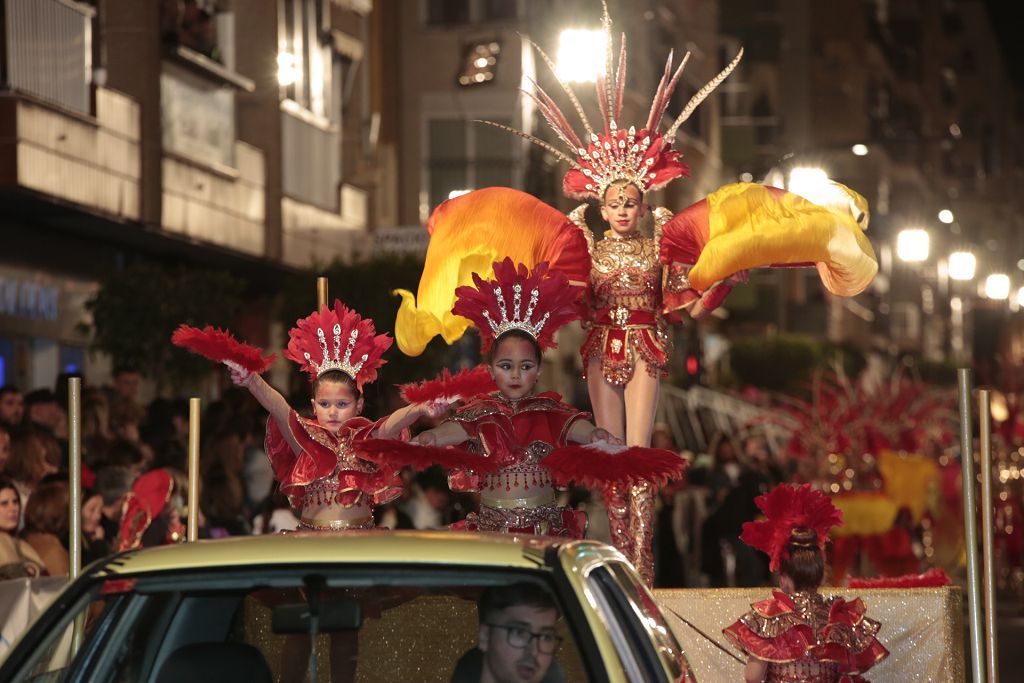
921 627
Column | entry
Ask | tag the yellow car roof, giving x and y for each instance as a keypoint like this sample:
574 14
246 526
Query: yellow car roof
350 547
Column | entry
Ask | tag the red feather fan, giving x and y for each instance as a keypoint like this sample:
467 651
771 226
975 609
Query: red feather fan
394 453
933 578
448 387
596 465
220 346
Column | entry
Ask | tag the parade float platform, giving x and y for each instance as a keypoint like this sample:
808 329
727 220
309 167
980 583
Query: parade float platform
921 627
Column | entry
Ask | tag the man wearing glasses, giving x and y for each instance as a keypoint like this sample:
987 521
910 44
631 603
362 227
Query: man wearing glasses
517 638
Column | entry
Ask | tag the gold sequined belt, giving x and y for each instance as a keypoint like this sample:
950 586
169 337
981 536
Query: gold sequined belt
620 316
365 522
546 498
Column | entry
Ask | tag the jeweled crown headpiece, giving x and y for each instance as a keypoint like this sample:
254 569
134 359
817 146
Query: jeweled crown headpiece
786 508
541 302
644 158
338 339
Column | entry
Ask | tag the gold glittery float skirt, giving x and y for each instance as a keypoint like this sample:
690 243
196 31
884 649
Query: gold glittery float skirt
617 337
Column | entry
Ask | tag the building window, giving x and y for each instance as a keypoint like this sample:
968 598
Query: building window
191 24
443 12
304 61
463 155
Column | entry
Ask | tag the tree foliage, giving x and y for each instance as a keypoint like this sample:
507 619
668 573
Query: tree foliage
786 362
136 310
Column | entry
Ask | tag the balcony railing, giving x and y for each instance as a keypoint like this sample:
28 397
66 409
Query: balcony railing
311 168
47 51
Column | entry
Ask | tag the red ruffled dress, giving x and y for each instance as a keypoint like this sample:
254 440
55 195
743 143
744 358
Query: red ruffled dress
808 638
519 497
327 470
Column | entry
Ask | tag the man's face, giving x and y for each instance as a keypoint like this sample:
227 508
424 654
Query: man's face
126 385
520 624
46 414
12 408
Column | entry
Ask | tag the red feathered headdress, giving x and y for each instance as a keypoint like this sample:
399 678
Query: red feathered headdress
149 495
338 339
786 508
541 302
645 158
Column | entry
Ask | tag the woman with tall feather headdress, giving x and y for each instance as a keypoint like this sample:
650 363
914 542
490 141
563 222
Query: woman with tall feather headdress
634 283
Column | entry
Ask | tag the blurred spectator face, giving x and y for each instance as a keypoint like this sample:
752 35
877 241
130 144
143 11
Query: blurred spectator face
126 384
662 439
29 462
47 414
10 509
12 407
92 511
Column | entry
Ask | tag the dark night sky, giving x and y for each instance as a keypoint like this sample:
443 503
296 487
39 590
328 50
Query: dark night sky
1008 20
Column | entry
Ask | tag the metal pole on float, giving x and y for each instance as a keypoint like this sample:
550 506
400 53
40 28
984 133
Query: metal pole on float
987 542
321 292
192 531
75 497
970 526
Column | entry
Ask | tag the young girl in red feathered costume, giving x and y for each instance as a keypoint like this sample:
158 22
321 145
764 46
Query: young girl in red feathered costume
523 439
798 634
316 461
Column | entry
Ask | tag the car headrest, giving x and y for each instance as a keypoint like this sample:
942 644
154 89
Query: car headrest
215 663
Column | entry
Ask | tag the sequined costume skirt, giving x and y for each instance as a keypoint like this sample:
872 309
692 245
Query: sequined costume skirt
545 520
618 348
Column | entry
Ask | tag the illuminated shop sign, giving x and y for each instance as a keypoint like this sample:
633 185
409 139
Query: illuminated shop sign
26 299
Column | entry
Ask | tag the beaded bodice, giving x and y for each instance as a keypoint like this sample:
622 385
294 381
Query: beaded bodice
626 273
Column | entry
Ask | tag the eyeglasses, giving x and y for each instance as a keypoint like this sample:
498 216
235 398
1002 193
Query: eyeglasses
520 638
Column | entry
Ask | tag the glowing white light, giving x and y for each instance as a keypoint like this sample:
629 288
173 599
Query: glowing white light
912 245
287 68
580 56
946 216
480 62
962 265
997 286
859 150
1020 297
813 184
457 193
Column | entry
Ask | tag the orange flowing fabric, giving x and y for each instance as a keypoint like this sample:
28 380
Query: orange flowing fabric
467 235
746 225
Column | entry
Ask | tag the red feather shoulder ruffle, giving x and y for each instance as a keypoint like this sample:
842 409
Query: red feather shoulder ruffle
935 577
220 346
449 387
596 465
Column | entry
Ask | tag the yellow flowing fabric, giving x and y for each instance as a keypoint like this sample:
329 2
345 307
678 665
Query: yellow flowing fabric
865 513
467 235
910 480
751 225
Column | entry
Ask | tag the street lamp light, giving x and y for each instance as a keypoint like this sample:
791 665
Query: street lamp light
997 286
962 265
946 216
859 150
581 55
288 70
912 245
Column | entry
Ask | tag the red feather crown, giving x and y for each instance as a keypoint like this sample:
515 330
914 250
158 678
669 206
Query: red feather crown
338 339
541 302
645 158
786 508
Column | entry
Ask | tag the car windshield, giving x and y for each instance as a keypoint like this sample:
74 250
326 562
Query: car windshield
370 624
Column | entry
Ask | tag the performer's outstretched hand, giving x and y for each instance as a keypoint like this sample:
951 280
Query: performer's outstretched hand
239 375
424 439
604 436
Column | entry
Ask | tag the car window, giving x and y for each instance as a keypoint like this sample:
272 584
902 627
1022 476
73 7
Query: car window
642 636
376 626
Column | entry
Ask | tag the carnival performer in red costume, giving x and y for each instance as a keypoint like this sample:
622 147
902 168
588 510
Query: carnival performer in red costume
798 635
315 461
636 283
